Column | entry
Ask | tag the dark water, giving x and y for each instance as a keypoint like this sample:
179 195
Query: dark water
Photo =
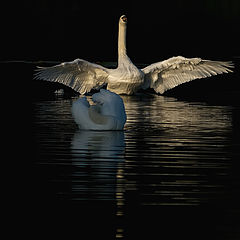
173 171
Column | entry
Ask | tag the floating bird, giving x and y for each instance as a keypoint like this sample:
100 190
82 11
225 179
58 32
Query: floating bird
108 112
83 76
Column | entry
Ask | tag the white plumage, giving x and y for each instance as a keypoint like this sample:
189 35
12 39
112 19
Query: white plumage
170 73
83 76
108 113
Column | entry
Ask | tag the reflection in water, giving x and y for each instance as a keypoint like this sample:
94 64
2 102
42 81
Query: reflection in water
96 156
181 149
171 153
168 114
102 153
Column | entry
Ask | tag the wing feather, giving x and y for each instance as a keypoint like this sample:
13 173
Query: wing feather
80 75
170 73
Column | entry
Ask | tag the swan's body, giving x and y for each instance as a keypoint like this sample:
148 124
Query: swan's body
84 76
107 114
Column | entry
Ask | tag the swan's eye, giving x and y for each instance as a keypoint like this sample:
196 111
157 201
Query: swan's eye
124 18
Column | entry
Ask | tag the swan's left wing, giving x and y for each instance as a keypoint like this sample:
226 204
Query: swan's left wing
165 75
80 75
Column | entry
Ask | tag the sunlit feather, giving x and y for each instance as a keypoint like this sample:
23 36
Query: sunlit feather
83 76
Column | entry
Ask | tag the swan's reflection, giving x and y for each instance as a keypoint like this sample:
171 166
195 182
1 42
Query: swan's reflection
97 157
178 145
98 144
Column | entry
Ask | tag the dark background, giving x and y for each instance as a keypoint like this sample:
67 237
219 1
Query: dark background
63 30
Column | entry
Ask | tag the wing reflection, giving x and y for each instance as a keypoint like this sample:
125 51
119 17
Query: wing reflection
182 147
169 114
96 157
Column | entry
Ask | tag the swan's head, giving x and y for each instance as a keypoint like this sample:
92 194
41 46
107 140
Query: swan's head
123 19
111 104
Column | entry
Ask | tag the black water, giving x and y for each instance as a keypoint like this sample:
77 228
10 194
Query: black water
172 173
173 170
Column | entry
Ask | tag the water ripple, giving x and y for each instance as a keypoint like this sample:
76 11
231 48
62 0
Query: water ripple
171 152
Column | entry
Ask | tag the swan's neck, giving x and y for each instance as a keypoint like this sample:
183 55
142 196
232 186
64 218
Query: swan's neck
122 51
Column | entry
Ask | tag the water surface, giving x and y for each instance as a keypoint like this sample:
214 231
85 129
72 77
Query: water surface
176 161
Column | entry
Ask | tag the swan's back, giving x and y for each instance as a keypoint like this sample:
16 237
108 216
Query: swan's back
111 105
107 114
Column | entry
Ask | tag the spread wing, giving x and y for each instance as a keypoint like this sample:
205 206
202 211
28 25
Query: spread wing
165 75
80 75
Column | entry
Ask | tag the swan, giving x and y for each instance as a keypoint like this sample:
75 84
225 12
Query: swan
108 112
83 76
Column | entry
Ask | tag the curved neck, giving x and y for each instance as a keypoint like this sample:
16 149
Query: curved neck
122 51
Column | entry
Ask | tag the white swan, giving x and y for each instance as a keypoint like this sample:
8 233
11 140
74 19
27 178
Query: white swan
107 114
84 76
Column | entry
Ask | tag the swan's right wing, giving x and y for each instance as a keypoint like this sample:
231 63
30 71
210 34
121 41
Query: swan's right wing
165 75
80 75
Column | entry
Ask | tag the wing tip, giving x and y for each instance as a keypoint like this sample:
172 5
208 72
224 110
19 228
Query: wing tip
39 73
228 66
